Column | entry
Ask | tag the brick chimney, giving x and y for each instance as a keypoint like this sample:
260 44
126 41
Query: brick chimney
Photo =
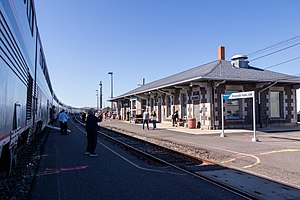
221 53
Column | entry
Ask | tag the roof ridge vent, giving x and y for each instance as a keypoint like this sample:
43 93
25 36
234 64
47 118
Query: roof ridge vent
239 61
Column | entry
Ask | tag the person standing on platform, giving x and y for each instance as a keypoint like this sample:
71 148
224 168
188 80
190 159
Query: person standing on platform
146 119
52 115
92 132
175 118
83 117
154 119
63 122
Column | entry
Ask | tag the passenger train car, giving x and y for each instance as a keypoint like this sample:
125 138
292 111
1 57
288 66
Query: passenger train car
26 94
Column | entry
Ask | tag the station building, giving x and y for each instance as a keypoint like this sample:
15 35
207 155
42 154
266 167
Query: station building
196 94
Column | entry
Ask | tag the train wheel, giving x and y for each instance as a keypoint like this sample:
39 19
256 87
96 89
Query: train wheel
14 158
6 162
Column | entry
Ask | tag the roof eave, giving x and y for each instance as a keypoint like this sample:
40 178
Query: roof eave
156 88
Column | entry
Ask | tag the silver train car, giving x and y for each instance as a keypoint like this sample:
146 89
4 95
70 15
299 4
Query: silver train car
26 94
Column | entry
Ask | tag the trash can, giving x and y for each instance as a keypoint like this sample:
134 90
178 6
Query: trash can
191 122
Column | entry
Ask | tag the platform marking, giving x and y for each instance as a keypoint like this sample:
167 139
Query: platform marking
244 155
265 153
57 128
137 166
41 156
132 163
234 152
280 151
49 171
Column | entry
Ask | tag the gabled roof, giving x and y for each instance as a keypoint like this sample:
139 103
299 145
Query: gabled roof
216 70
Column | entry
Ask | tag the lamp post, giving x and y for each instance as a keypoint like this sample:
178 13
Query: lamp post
111 89
100 95
97 99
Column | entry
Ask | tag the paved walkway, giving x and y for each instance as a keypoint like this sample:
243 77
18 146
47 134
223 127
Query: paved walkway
274 157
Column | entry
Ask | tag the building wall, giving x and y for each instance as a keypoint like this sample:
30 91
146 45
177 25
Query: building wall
207 108
289 108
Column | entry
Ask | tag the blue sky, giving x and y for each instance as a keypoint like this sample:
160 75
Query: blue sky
152 39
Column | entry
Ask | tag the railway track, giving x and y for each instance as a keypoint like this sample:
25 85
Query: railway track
168 157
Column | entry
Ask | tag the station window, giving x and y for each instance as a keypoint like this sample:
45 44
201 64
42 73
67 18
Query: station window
184 105
195 96
233 107
133 104
276 104
144 104
126 103
170 101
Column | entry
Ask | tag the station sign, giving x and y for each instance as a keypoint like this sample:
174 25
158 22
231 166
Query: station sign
238 95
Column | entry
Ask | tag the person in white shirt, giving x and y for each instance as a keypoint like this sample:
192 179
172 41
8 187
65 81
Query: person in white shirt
146 119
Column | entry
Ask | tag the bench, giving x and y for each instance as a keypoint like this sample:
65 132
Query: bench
137 119
181 122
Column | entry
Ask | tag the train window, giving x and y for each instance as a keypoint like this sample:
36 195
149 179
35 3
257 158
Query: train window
45 69
25 1
28 9
41 58
30 15
32 21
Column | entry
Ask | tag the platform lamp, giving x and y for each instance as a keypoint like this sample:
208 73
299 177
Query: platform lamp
97 95
100 84
111 89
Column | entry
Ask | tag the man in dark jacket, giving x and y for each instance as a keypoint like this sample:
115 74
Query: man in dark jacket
175 118
92 132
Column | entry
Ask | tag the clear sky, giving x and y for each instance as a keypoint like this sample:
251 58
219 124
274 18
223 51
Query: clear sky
152 39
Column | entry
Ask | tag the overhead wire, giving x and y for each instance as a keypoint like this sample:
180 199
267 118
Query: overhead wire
272 46
282 63
275 51
264 50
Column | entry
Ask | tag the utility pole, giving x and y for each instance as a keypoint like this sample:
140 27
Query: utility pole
97 100
111 89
